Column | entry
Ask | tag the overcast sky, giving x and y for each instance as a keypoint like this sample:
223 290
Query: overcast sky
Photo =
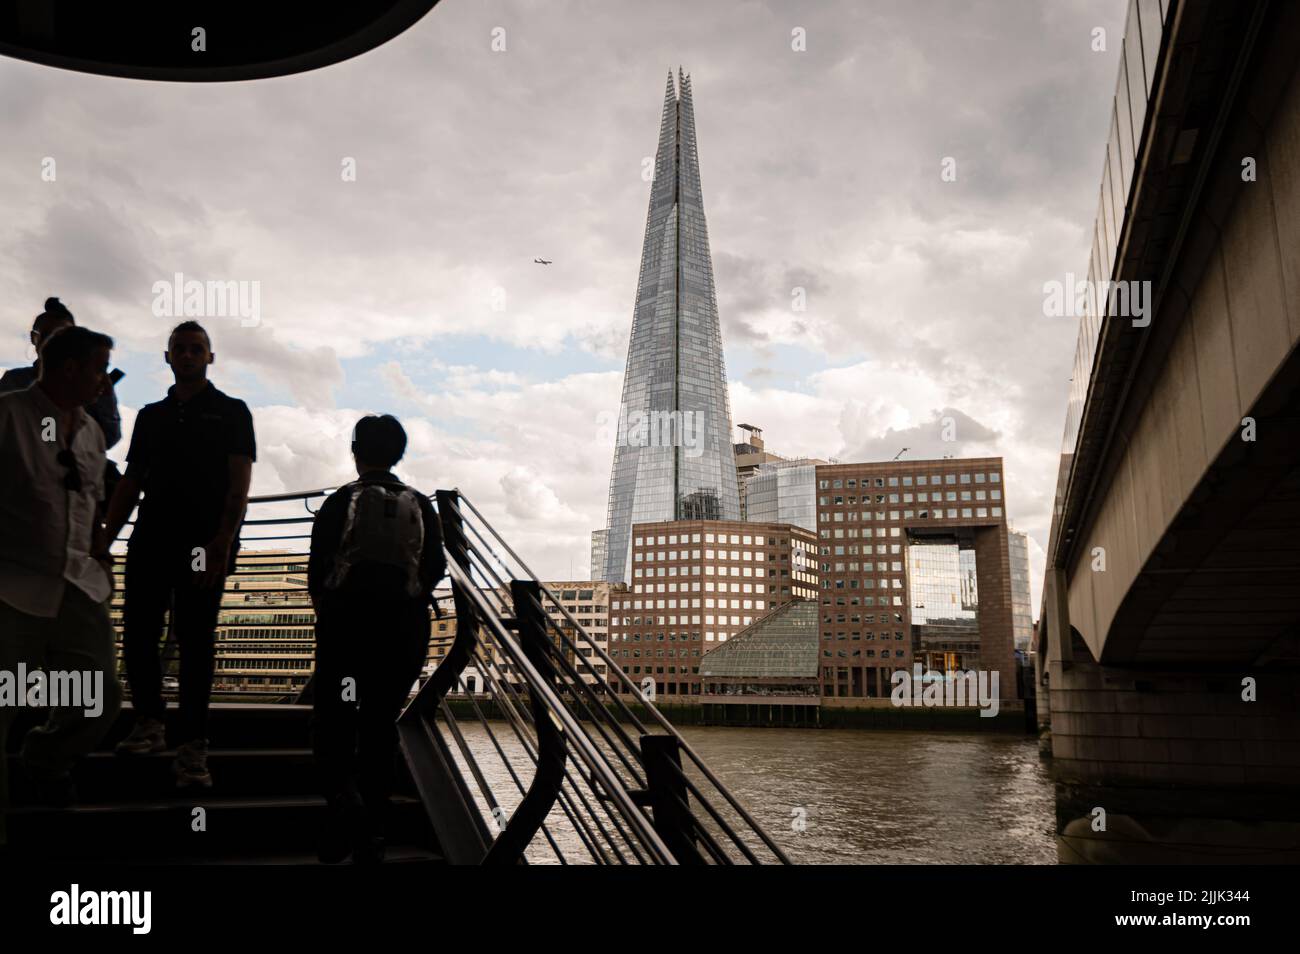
412 289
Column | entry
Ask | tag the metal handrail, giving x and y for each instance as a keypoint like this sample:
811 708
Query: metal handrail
604 790
601 771
658 717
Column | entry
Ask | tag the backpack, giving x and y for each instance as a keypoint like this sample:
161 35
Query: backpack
383 536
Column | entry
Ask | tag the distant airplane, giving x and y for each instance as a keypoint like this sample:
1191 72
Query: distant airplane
541 261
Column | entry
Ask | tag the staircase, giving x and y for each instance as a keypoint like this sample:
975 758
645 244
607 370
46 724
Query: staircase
545 763
264 806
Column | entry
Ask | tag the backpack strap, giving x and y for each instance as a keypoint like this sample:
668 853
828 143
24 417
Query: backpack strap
341 566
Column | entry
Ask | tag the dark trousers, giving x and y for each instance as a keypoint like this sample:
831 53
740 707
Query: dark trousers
369 654
78 639
158 580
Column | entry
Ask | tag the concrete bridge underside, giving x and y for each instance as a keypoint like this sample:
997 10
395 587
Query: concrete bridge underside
1170 639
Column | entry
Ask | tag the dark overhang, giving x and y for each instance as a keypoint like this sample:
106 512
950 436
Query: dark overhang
242 40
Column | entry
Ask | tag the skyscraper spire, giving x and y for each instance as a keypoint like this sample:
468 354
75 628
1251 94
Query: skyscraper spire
673 458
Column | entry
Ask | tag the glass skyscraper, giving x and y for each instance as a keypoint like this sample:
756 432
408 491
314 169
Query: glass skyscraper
673 458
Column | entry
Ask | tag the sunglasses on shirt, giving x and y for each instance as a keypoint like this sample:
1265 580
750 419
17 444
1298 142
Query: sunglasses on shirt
72 479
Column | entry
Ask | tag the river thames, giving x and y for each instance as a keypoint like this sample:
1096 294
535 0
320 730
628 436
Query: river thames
889 797
852 796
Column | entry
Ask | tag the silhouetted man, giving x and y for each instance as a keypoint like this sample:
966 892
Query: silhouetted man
376 554
192 456
53 594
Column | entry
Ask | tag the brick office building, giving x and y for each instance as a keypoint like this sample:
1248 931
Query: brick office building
914 567
695 583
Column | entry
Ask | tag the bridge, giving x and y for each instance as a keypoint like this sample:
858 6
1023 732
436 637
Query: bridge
1169 636
536 762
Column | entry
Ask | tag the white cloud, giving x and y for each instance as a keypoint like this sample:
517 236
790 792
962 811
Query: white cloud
819 169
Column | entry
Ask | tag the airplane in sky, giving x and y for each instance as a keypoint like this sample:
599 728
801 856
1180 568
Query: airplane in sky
541 261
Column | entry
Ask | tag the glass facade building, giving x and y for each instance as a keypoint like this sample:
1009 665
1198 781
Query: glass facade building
784 493
673 458
944 603
598 538
1022 618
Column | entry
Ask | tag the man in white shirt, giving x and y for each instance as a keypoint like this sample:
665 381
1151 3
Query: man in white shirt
54 596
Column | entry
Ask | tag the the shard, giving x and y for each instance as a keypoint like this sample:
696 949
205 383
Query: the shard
673 458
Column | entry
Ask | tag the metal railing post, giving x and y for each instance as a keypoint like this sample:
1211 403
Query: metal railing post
666 786
551 747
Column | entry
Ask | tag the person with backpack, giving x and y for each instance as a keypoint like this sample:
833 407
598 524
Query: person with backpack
376 555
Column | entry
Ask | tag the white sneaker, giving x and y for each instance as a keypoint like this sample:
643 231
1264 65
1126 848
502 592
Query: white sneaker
191 765
149 735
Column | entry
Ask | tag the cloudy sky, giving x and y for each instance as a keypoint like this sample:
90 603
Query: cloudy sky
412 290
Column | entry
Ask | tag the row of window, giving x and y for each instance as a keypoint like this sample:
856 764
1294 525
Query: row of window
966 513
304 664
658 653
709 587
748 540
921 480
242 632
651 572
853 601
709 635
868 600
828 500
867 583
650 556
869 653
695 601
684 620
851 516
567 595
840 637
657 637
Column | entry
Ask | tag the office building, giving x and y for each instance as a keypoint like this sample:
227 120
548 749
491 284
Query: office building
914 568
697 583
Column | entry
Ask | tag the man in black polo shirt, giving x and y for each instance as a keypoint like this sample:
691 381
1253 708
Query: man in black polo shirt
192 455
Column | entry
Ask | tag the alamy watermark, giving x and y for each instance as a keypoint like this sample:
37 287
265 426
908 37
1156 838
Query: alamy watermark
637 428
97 908
37 688
191 298
1075 298
932 689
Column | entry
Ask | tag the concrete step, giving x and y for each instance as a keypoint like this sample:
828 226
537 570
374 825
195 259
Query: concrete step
264 806
105 777
231 726
161 830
